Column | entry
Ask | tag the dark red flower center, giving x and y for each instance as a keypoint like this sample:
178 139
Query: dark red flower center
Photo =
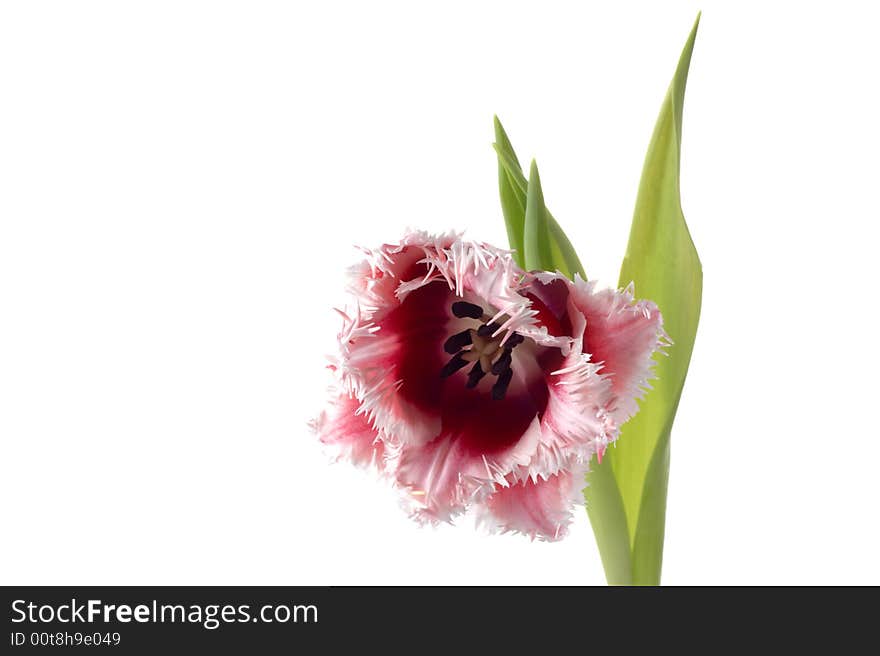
484 426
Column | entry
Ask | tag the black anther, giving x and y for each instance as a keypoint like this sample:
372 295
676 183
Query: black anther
499 389
502 364
457 342
487 329
452 366
474 375
463 309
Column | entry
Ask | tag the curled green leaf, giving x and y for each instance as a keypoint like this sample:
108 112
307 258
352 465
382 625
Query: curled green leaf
513 188
536 240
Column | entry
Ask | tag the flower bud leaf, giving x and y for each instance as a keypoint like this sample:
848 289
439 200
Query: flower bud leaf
513 188
513 197
536 237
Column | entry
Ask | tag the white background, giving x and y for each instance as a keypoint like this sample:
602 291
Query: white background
180 187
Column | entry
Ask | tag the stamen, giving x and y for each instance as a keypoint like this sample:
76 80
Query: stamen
474 376
499 389
457 342
514 340
502 364
452 366
463 309
487 329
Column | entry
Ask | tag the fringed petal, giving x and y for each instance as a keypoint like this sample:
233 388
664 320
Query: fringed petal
576 422
539 509
447 475
348 434
622 334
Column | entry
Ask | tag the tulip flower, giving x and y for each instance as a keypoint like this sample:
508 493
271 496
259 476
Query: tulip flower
472 384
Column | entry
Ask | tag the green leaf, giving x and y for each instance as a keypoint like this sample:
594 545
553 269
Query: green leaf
536 240
608 518
565 258
663 263
513 198
513 188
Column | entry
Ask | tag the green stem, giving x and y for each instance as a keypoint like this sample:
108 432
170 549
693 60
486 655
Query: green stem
608 517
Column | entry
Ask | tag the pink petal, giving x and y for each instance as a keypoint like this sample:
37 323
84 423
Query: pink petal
398 366
342 428
446 475
622 334
549 294
539 508
576 421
